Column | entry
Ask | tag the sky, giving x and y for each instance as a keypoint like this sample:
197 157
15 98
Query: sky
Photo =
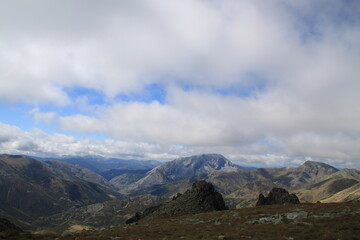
265 83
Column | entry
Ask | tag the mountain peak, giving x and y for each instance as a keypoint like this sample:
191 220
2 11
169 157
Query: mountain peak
317 165
211 162
185 167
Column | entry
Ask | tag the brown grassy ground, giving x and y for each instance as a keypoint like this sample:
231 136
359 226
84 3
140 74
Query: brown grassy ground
326 221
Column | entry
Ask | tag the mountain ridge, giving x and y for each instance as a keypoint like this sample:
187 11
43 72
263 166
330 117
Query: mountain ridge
185 167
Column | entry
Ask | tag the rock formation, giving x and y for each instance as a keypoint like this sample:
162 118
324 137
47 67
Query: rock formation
277 196
202 197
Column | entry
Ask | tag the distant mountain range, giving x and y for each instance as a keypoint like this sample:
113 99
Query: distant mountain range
240 186
35 193
101 164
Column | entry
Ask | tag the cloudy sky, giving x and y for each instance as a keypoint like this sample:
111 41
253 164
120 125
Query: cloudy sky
266 83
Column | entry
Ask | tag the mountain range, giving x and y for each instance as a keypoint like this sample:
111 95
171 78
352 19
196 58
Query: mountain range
57 194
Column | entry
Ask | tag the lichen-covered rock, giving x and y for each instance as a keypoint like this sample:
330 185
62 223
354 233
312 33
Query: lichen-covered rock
277 196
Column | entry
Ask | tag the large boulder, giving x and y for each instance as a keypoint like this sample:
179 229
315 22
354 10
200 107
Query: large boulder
277 196
202 197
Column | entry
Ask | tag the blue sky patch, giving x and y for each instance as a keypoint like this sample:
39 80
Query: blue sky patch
152 92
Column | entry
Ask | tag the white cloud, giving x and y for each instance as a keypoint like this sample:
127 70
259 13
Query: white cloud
307 53
43 117
295 151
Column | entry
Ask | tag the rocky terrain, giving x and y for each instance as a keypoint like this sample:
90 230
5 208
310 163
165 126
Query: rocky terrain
293 221
99 215
202 197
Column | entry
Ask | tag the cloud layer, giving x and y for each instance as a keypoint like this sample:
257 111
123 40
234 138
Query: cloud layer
265 82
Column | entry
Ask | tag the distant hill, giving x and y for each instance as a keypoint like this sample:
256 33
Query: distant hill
110 174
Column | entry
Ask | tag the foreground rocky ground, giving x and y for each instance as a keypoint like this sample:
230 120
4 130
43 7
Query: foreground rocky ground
300 221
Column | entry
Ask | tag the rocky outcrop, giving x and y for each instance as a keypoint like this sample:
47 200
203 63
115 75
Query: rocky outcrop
277 196
202 197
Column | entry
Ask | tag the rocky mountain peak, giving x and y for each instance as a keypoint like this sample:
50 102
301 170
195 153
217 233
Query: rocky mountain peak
310 165
186 167
216 162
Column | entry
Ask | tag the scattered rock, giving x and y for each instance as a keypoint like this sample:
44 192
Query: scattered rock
202 197
279 218
277 196
295 215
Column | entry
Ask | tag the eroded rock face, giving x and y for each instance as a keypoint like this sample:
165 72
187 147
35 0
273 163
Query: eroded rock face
202 197
277 196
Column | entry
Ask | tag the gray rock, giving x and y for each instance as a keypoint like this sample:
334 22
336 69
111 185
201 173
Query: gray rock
277 196
202 197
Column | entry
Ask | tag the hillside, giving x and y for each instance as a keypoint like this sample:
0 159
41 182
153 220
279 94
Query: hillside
349 194
304 221
31 188
338 187
98 215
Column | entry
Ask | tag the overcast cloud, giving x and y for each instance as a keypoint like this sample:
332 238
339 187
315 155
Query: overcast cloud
262 82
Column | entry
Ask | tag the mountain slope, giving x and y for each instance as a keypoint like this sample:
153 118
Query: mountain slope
184 168
69 171
98 215
30 188
349 194
325 189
